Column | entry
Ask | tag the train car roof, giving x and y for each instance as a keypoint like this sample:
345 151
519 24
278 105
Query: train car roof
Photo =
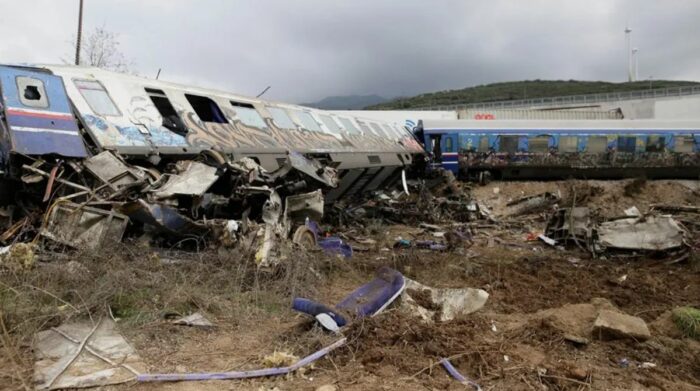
441 125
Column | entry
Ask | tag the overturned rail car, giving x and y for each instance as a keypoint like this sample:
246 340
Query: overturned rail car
59 112
512 149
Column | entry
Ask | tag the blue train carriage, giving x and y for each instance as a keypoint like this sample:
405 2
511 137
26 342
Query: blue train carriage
512 149
75 112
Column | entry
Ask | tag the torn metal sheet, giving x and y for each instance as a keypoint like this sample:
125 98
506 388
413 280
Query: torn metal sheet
81 355
443 304
195 180
83 226
164 218
651 233
311 167
112 171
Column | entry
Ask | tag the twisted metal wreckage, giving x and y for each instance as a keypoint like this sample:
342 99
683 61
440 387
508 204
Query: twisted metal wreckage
86 153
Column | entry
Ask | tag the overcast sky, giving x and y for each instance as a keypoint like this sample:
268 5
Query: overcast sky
309 49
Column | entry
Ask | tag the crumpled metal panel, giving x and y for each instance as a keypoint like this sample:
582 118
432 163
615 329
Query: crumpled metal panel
651 233
83 226
194 181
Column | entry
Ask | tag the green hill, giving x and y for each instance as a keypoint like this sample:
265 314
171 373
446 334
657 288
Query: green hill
528 89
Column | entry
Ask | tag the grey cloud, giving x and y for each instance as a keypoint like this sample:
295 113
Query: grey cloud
309 49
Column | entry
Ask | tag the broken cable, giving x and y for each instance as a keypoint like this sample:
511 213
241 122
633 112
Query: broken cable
454 373
242 374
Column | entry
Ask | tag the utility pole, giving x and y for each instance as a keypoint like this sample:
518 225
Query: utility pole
628 31
80 33
636 63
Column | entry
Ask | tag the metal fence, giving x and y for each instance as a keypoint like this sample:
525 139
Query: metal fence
572 99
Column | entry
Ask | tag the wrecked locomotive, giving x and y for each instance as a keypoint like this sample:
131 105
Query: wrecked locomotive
117 146
560 149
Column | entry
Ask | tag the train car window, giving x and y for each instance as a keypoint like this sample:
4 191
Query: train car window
377 130
449 146
484 144
97 97
597 144
683 144
508 144
247 114
656 143
626 143
32 92
330 123
171 119
538 144
206 109
568 144
307 121
281 118
365 128
349 126
390 132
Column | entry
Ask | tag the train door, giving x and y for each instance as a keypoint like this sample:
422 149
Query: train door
450 155
38 114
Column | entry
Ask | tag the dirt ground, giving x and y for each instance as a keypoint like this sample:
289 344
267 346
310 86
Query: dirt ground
534 332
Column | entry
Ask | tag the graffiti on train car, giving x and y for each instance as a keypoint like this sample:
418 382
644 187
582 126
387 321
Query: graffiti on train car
611 158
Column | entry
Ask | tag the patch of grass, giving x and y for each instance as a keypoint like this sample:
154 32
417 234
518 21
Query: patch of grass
135 286
688 321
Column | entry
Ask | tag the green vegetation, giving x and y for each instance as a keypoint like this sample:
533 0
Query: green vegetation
528 89
688 321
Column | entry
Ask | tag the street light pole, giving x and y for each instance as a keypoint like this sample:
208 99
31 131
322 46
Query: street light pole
629 53
80 33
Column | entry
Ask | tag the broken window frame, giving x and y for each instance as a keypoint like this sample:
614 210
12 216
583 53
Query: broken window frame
280 115
255 119
171 121
213 108
107 98
24 82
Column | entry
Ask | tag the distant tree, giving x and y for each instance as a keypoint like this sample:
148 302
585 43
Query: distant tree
100 48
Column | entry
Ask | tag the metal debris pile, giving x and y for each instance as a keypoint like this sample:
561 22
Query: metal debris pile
186 203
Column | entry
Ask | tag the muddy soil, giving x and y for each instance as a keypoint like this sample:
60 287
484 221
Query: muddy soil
533 333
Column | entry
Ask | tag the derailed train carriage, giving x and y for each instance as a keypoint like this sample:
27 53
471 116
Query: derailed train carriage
136 137
75 112
511 149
